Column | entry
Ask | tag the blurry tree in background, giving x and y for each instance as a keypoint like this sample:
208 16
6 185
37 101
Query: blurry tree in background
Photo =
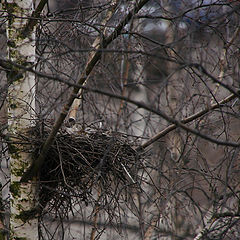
136 123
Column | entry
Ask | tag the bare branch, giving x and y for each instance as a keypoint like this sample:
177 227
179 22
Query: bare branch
96 46
175 122
34 18
187 120
33 170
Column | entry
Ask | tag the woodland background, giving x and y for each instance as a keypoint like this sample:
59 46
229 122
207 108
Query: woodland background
159 88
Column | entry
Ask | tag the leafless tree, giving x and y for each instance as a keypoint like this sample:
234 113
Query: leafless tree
136 123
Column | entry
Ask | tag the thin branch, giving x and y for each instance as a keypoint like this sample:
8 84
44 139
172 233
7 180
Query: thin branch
6 64
151 227
201 69
158 112
96 46
211 220
186 120
37 164
124 77
34 18
223 59
95 217
110 225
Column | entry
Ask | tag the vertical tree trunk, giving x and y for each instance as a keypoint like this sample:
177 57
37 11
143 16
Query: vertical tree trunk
21 106
174 142
139 78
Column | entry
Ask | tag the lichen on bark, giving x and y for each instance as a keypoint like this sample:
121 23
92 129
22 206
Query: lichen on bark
21 105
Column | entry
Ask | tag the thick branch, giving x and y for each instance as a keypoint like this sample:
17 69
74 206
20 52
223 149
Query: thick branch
96 46
34 18
175 122
35 167
104 42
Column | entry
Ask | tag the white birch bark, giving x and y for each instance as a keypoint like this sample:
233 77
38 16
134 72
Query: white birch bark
21 105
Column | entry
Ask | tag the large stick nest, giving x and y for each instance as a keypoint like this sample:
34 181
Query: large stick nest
80 163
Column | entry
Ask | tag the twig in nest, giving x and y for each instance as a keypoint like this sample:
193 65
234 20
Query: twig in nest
78 163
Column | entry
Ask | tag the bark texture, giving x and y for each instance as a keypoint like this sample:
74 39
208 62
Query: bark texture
21 105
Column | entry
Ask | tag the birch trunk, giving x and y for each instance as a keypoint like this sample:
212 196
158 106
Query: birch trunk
21 105
174 143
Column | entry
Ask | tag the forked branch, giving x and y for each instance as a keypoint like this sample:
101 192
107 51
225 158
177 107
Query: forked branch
36 165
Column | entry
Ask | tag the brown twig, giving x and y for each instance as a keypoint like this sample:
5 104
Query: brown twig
186 120
96 46
36 165
223 60
95 217
149 231
34 18
136 103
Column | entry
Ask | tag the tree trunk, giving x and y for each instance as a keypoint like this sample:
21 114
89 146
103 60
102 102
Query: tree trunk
21 111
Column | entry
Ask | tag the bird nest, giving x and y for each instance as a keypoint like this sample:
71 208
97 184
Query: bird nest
81 164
